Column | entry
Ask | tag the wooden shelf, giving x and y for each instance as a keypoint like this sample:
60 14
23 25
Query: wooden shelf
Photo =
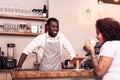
22 17
20 33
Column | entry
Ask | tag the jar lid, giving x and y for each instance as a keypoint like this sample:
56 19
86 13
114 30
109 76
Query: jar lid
10 45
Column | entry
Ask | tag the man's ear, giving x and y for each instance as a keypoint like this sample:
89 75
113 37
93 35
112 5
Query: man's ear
46 28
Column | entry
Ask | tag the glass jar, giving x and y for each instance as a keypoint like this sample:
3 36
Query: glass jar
10 50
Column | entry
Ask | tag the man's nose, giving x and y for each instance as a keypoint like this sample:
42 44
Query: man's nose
55 28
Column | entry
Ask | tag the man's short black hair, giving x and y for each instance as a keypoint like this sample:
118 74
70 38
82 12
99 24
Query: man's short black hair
51 19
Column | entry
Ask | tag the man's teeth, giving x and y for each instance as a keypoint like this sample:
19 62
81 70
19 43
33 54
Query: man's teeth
54 32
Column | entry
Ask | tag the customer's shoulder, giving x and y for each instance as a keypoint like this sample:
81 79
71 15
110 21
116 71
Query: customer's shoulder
111 43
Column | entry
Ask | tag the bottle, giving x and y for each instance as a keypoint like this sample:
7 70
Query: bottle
1 52
62 64
1 58
44 12
46 28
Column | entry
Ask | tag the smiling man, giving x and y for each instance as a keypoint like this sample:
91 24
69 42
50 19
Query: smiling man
49 46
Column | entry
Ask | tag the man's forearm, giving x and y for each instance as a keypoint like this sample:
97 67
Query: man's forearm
22 59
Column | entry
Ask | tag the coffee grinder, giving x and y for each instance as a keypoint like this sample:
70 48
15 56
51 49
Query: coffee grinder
10 62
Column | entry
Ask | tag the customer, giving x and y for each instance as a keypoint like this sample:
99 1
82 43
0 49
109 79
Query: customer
50 47
108 64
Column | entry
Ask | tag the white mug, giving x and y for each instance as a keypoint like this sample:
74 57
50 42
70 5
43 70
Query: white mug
93 41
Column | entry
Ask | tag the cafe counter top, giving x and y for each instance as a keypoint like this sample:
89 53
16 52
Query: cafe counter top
65 73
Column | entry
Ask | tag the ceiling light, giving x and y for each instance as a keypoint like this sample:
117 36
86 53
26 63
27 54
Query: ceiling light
116 0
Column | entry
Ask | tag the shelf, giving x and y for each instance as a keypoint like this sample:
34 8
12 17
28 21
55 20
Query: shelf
20 33
22 17
19 17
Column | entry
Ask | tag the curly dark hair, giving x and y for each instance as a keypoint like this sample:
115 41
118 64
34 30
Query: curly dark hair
109 28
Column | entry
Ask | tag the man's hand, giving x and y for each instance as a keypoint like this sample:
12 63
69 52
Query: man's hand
17 69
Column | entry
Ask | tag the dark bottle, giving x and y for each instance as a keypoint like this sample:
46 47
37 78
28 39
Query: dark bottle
44 11
1 52
1 58
46 28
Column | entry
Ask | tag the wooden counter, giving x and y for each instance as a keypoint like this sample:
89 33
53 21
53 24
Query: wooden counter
5 75
65 74
51 74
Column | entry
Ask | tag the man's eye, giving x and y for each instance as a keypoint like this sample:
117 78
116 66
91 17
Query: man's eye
53 26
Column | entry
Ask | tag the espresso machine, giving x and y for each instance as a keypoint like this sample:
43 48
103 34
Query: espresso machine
10 61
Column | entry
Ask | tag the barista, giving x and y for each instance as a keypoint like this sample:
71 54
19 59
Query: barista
49 46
